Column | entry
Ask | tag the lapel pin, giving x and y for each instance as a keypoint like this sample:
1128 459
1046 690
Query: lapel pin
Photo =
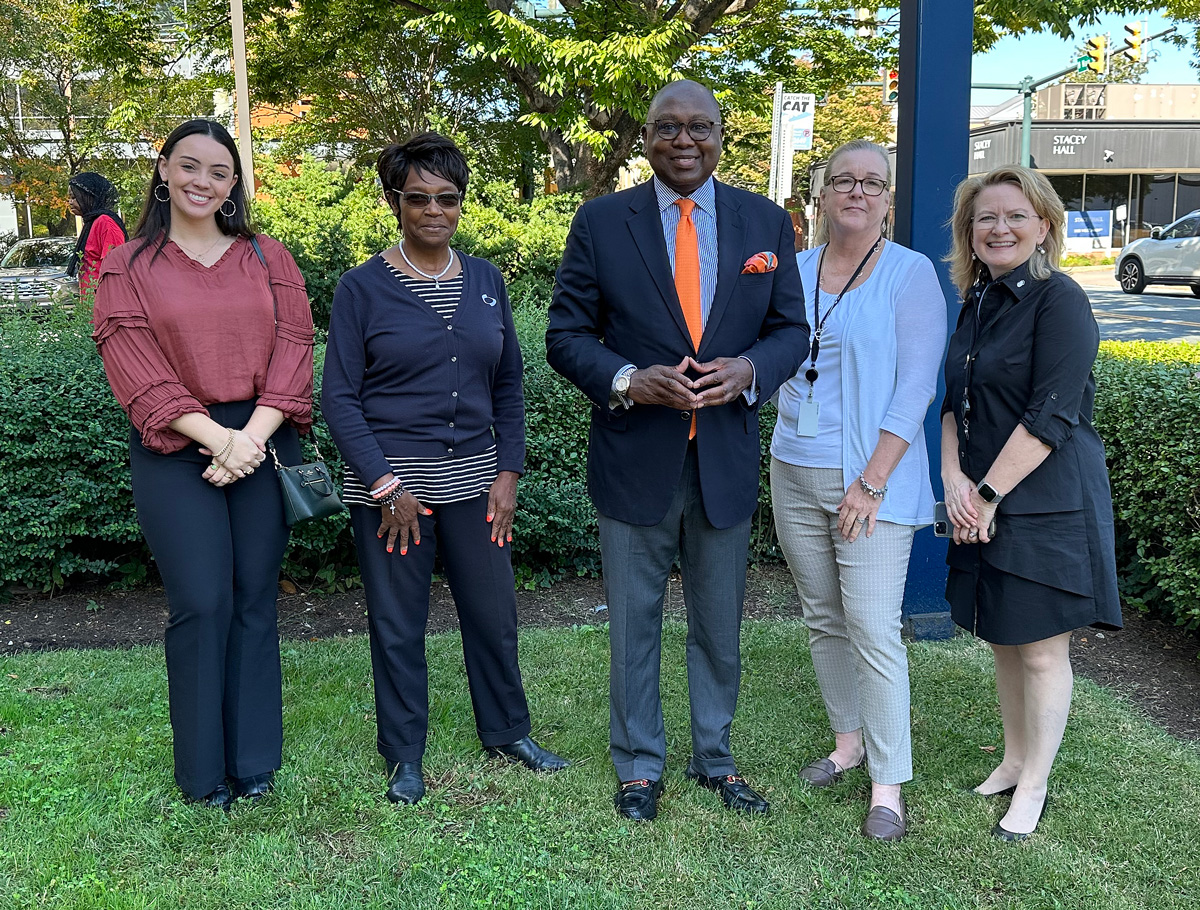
490 301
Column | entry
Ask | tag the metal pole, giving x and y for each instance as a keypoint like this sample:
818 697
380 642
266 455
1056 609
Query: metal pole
1026 119
931 159
241 91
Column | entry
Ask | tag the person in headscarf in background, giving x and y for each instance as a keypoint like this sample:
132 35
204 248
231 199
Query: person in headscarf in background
94 199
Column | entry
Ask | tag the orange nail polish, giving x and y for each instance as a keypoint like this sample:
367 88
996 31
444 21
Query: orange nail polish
390 550
404 551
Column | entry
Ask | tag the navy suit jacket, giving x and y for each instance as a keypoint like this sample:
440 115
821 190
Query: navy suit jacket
615 303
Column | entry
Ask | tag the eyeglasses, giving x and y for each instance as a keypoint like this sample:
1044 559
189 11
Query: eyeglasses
844 183
1015 220
421 200
699 130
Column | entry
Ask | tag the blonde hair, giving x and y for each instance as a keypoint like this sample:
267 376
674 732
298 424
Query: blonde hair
964 269
821 234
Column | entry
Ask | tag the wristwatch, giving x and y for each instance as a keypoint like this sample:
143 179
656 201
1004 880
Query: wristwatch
621 383
989 493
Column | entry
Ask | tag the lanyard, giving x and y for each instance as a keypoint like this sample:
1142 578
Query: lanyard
811 373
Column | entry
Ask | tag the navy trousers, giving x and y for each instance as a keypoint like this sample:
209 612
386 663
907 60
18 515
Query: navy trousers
480 576
218 551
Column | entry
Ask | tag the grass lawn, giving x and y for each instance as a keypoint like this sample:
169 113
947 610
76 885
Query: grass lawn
90 817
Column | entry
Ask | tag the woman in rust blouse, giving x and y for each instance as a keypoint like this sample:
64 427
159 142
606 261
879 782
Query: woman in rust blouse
207 339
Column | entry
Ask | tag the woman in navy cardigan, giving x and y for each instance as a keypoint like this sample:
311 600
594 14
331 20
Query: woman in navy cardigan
422 392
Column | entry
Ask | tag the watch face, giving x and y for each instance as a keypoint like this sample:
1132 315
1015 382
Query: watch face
623 384
987 493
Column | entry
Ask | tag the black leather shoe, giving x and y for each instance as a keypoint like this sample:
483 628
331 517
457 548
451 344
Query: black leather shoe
220 798
530 754
735 792
254 788
406 785
638 799
1010 837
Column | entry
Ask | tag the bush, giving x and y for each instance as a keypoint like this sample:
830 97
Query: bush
1147 399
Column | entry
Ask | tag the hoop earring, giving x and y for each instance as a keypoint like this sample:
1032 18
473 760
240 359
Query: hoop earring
162 186
228 201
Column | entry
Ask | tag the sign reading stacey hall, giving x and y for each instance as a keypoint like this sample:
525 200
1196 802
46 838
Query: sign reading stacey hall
1068 143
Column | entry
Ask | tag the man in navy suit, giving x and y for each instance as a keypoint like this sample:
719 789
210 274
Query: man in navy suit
667 320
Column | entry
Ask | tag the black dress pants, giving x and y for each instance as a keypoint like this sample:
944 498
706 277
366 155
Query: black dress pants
397 588
218 551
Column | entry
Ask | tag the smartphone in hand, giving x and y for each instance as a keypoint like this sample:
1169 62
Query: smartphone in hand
942 526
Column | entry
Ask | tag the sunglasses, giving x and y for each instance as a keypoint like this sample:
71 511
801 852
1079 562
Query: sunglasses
421 200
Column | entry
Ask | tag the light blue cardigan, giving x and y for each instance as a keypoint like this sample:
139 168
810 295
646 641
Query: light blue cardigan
883 388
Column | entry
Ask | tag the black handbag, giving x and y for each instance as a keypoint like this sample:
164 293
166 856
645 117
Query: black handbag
308 490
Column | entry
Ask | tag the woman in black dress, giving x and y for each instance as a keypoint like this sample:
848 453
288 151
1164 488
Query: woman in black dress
1019 448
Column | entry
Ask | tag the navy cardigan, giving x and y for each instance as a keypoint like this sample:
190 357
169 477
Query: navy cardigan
402 381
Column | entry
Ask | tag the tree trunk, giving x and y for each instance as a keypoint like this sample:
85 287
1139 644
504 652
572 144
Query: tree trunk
578 168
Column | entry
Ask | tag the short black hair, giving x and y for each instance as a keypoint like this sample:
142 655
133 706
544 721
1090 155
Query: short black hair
432 153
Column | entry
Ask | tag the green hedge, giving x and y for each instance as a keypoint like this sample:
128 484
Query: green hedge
1147 408
68 512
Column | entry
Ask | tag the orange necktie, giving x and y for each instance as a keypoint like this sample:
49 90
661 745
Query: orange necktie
687 279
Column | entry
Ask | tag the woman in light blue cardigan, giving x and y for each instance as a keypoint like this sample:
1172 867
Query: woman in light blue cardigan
850 471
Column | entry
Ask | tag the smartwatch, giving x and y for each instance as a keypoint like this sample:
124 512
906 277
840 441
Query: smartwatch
989 493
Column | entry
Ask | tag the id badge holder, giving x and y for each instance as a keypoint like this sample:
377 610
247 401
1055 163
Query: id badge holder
807 416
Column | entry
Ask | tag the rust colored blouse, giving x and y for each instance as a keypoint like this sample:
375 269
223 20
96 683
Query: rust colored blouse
176 336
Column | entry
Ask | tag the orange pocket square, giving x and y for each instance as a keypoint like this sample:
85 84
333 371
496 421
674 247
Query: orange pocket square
760 262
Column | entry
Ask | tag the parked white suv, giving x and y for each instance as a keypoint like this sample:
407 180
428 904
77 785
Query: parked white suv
1170 255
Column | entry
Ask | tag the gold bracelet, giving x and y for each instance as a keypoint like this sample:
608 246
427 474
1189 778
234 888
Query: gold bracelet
220 459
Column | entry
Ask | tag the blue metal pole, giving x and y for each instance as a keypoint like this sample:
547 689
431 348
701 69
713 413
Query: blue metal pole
931 159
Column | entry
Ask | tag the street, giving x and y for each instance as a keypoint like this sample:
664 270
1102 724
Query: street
1160 313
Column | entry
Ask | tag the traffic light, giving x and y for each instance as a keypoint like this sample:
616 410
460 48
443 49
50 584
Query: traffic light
1095 52
891 86
1134 41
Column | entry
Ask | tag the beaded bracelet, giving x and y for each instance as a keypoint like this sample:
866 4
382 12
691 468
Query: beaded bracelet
394 496
381 491
873 492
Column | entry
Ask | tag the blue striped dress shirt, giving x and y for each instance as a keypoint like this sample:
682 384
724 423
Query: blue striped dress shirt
704 217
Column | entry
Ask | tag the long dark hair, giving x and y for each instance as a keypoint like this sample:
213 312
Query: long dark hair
95 196
155 221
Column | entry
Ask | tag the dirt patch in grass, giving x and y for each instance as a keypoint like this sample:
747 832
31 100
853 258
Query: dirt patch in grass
1150 662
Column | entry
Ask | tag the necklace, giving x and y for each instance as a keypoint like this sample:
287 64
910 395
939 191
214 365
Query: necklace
199 257
436 279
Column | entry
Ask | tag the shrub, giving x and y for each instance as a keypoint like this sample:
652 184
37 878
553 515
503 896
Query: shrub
1147 399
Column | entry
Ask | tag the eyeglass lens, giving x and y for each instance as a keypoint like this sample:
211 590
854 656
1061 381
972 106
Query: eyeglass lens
871 186
699 130
421 200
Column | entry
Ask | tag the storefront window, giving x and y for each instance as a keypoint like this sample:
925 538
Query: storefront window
1109 193
1070 190
1188 197
1153 199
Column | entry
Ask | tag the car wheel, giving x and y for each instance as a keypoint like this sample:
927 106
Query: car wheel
1133 281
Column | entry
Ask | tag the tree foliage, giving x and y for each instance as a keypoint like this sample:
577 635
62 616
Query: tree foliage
90 86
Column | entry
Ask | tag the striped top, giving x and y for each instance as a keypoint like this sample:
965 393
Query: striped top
433 481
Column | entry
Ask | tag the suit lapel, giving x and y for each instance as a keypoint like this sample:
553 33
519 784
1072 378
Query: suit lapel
646 226
731 234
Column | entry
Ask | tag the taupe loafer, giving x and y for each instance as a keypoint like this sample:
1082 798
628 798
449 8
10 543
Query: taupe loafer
882 823
824 772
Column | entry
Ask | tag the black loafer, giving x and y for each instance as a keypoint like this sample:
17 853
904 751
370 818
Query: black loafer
406 785
735 792
220 798
254 788
638 799
530 754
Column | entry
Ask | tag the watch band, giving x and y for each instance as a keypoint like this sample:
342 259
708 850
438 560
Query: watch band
989 493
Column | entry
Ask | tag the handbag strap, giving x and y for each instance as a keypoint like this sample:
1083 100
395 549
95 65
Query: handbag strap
263 259
275 455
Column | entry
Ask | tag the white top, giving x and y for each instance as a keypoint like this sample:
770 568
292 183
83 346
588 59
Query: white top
890 343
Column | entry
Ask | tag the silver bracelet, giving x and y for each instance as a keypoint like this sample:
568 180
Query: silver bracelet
873 492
